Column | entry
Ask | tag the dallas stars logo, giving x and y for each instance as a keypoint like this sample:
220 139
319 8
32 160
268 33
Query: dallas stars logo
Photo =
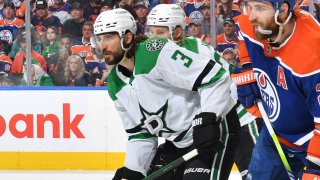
154 45
155 122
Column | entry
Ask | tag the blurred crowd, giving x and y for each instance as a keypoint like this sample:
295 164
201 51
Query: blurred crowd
63 44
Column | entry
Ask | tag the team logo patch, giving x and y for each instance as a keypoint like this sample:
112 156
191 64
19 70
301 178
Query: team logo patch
85 53
155 45
6 35
318 87
196 16
269 94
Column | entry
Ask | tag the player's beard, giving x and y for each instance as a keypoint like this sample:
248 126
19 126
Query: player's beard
115 58
272 26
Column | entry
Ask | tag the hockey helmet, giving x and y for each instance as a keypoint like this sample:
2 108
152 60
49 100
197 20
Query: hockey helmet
169 15
278 3
117 20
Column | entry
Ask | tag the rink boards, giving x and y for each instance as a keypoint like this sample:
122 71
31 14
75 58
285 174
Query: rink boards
60 128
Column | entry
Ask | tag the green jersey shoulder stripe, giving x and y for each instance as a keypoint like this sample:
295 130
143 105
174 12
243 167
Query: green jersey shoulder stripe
191 44
115 84
217 57
214 79
147 54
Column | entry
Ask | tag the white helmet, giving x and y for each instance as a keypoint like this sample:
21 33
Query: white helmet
170 15
116 20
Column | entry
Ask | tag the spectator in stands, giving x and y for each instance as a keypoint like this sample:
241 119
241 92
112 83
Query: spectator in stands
229 38
92 10
20 12
195 29
81 2
127 5
37 46
2 2
230 55
51 49
60 9
66 41
20 58
107 5
41 33
10 25
38 75
6 79
83 48
142 11
5 61
227 9
193 10
124 3
57 74
43 18
17 3
207 39
73 26
206 22
75 73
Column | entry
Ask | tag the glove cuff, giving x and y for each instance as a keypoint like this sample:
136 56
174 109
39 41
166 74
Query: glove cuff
243 78
204 119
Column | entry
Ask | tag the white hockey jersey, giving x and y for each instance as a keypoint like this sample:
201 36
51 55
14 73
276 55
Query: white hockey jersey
197 46
170 86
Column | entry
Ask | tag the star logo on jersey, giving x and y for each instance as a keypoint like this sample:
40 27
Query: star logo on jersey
154 122
155 45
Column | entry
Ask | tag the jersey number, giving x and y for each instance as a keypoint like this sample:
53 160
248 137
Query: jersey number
179 55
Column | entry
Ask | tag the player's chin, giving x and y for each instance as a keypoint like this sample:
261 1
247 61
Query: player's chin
260 36
109 60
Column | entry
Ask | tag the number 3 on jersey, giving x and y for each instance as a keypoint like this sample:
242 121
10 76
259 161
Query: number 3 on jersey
179 55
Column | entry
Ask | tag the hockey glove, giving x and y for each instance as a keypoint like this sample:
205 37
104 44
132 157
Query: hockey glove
206 136
125 173
247 88
313 169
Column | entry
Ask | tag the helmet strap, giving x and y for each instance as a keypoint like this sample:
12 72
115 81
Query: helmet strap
122 46
280 25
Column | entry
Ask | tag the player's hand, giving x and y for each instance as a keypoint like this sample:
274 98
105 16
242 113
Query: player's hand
125 173
206 136
247 88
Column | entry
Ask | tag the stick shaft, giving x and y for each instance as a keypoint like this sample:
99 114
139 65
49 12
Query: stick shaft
172 165
275 139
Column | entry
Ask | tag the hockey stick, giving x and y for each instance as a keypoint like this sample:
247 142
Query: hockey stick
275 140
172 165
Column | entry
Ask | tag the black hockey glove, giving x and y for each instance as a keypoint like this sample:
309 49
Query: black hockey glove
125 173
206 136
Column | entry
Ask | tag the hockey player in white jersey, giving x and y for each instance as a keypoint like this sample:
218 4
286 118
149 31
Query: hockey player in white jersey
168 20
173 93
